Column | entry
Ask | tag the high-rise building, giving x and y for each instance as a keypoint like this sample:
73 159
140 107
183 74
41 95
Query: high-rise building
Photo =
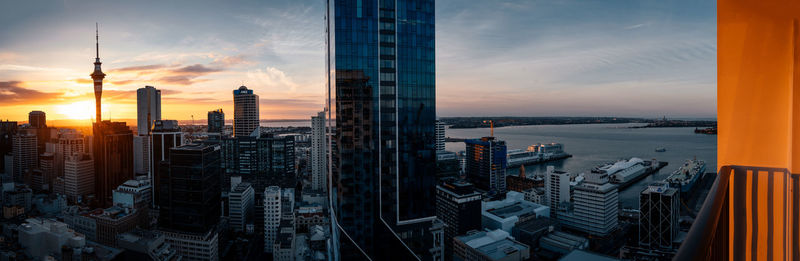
68 144
594 208
190 189
37 119
148 109
272 216
166 134
659 211
113 158
486 164
78 177
319 157
7 131
216 121
385 104
440 136
458 205
240 205
141 154
25 154
262 161
245 112
556 187
190 204
47 166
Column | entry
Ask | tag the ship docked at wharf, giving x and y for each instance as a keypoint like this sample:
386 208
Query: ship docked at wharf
626 172
535 154
687 175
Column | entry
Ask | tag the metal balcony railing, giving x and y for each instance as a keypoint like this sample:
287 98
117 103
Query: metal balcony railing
750 213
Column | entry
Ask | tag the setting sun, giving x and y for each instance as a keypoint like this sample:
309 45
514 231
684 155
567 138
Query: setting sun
80 110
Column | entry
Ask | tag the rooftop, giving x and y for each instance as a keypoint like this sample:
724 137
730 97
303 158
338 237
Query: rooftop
580 255
495 244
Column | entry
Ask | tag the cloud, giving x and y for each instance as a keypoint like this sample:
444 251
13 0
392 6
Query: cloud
12 93
140 68
272 77
637 26
83 81
181 79
196 69
26 68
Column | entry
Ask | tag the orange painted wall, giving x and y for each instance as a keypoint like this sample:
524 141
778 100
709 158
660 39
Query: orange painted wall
757 99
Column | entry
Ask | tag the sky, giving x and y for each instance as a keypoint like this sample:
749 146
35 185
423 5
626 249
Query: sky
493 58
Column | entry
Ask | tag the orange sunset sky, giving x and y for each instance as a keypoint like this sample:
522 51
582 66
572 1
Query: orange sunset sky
512 58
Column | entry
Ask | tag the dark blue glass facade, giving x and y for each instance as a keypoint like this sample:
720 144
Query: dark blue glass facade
382 90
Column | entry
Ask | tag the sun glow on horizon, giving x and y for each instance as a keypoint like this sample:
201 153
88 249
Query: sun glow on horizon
80 110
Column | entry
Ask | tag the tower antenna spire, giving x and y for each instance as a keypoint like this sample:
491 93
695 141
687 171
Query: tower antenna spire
97 39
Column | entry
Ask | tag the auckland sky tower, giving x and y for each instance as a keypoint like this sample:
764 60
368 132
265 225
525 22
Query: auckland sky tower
97 75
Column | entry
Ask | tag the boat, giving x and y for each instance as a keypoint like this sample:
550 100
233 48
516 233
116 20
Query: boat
661 149
537 153
622 171
687 175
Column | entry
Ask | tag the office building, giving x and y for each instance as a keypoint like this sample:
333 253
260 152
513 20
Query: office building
447 164
272 216
284 247
17 194
319 156
562 243
536 195
557 190
659 211
594 208
194 246
491 245
310 215
37 119
148 109
458 205
68 144
7 131
25 154
245 112
78 177
505 213
521 182
262 161
79 219
190 205
112 222
216 121
141 154
240 205
486 164
47 168
146 245
165 135
385 124
41 238
190 190
440 136
530 231
113 158
136 194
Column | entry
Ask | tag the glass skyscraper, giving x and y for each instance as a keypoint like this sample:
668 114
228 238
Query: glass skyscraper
382 91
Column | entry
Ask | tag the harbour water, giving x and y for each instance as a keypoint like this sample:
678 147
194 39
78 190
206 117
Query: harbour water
595 144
